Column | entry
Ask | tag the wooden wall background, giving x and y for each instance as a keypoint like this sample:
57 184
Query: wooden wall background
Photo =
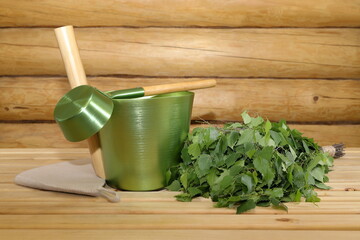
282 59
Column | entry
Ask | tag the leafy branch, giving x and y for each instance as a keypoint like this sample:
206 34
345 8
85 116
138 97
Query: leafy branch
244 165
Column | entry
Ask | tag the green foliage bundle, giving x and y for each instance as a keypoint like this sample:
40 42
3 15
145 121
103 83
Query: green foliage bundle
255 163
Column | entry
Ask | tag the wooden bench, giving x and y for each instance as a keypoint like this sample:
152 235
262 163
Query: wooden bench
298 61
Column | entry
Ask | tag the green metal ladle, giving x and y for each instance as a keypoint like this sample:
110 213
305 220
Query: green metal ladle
84 110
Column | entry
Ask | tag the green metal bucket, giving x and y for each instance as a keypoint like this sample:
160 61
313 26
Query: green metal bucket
143 138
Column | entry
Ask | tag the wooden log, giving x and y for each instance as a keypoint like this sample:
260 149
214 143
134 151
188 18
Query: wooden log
38 135
35 135
297 100
210 13
208 234
190 52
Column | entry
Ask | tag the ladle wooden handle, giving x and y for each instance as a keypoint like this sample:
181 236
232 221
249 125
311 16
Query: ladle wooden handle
175 87
76 75
70 55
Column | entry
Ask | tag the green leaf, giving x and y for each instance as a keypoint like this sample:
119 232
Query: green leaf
258 137
184 180
212 136
299 177
194 150
321 185
204 163
312 198
248 182
267 141
256 121
226 182
230 160
315 161
184 197
174 186
263 204
266 153
254 175
318 173
221 145
277 204
267 126
293 153
246 118
275 193
298 195
307 150
276 137
211 177
251 153
193 191
309 179
246 206
236 168
263 166
233 125
232 138
249 149
185 155
290 157
247 136
290 176
222 176
167 176
286 160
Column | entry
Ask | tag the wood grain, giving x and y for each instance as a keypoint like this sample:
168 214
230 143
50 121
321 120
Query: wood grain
31 214
301 74
209 13
175 208
184 222
178 87
37 135
198 52
208 234
300 100
14 193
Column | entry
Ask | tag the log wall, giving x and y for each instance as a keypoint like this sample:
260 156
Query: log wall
281 59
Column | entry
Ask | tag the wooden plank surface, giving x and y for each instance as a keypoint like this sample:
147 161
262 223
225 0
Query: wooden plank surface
30 214
183 221
173 208
191 52
209 13
30 234
300 100
48 135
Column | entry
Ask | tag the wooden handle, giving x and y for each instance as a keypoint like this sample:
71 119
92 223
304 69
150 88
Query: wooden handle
76 75
70 55
175 87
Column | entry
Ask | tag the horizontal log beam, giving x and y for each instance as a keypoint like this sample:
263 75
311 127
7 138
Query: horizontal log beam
49 135
210 13
188 52
296 100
